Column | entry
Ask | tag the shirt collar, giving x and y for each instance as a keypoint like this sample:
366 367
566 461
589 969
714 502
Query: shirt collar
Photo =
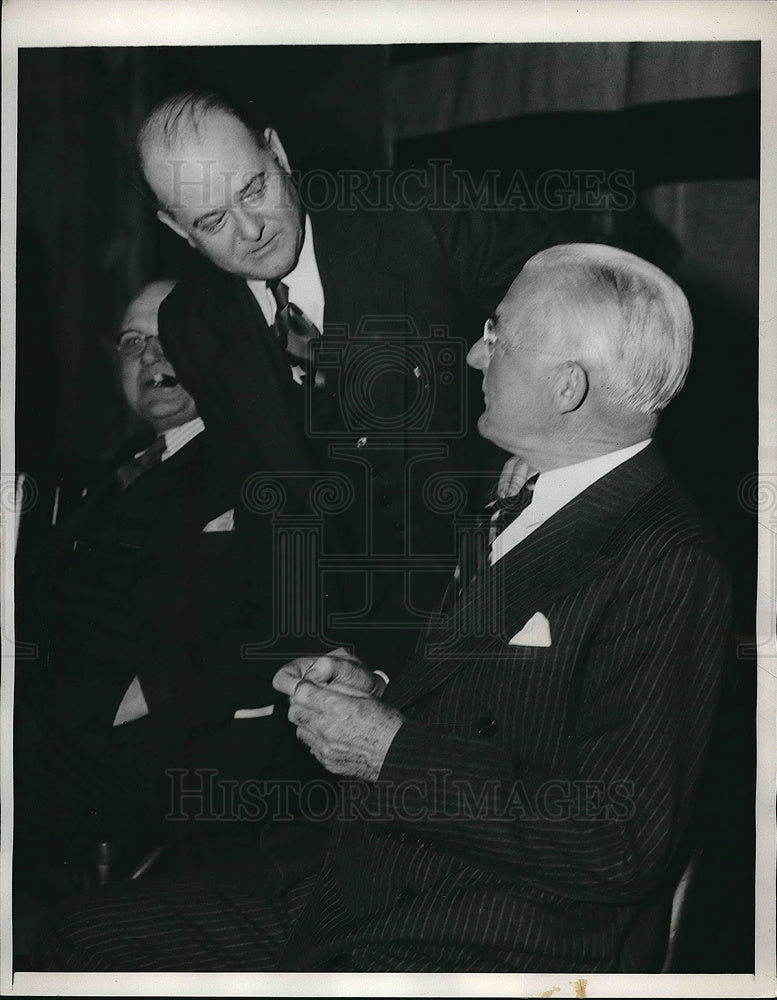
177 437
303 282
554 490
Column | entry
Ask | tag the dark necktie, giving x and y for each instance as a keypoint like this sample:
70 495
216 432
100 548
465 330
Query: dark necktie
496 516
152 456
504 510
293 329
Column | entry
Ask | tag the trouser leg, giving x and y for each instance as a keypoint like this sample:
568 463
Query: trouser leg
167 925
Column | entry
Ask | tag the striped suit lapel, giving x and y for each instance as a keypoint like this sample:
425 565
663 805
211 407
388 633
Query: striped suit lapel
558 558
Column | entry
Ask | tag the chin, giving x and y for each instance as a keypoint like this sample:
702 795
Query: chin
487 432
483 427
269 270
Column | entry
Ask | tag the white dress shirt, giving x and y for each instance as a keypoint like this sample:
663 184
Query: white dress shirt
177 437
554 490
303 282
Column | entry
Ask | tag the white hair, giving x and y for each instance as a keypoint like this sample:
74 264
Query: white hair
636 324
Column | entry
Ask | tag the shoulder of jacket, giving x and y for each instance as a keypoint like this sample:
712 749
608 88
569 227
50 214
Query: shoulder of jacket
664 520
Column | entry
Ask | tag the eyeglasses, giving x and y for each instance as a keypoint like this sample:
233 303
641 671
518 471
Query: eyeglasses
132 344
490 338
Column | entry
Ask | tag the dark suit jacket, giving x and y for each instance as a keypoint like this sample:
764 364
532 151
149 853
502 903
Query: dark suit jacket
406 294
132 586
530 811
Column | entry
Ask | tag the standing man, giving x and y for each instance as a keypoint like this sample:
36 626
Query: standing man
519 799
325 348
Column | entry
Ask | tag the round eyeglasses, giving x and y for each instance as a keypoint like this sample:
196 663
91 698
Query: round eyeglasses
490 337
131 344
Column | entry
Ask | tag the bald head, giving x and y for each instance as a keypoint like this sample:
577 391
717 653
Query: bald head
148 380
225 190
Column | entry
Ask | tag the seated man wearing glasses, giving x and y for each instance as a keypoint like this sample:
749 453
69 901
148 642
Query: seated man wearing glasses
135 587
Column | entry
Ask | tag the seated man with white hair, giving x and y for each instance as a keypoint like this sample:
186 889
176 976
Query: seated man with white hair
518 800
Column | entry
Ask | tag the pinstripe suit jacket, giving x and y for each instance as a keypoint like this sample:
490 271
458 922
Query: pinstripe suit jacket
530 810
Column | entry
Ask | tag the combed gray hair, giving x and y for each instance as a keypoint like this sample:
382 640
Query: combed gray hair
636 321
176 116
174 119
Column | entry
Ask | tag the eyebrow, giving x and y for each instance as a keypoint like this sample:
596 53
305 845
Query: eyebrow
200 221
250 181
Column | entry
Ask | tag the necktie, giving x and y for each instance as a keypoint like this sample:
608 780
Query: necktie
293 329
152 456
506 509
496 516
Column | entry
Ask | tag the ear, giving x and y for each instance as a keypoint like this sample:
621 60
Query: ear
276 148
176 227
570 386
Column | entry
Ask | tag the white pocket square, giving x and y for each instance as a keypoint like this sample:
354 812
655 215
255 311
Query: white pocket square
536 632
254 713
224 522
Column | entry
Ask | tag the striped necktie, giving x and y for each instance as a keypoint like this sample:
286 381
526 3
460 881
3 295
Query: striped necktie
497 515
506 509
293 329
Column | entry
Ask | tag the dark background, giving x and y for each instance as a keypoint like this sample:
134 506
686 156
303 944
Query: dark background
682 117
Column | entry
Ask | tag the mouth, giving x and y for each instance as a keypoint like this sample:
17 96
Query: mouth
161 380
261 250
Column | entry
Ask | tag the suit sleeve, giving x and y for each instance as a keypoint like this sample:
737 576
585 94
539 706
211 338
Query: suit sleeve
487 242
605 826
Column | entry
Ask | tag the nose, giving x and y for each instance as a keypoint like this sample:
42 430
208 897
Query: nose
478 355
152 351
249 226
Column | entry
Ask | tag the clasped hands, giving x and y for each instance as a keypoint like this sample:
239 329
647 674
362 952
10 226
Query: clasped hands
334 701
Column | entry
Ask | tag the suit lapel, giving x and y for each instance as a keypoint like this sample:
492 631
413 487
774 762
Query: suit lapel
347 248
250 376
105 492
558 558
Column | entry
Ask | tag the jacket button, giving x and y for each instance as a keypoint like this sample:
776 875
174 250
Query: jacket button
406 895
486 726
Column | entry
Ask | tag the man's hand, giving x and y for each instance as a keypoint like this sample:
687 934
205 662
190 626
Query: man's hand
337 671
349 734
